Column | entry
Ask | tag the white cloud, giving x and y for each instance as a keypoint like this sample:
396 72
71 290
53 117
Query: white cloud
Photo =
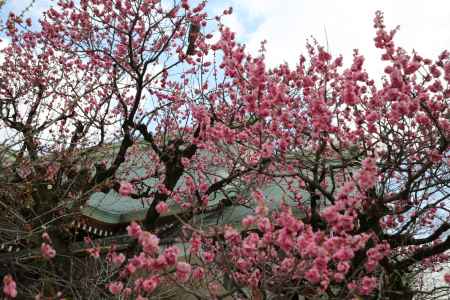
348 24
234 24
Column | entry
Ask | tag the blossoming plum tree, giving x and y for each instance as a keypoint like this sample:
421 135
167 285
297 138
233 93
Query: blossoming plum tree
363 164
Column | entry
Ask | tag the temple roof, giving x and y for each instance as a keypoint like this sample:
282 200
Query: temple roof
112 208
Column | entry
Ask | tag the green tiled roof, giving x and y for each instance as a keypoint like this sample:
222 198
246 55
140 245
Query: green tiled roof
112 208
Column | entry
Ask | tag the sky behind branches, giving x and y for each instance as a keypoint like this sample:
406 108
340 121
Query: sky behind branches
339 25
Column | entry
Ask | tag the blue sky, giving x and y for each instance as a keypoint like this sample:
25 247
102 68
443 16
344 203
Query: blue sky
344 24
18 6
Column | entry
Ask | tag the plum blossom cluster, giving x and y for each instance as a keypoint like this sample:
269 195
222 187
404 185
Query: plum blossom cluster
295 252
48 252
9 287
152 261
